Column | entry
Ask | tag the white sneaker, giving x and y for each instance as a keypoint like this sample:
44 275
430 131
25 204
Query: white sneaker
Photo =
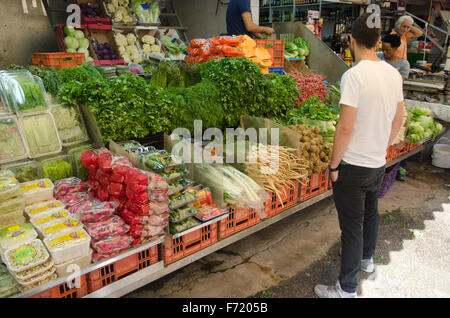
367 265
333 291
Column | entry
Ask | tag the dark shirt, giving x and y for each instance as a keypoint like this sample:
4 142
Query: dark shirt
235 24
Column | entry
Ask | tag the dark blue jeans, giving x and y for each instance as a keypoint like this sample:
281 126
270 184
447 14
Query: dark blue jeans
356 198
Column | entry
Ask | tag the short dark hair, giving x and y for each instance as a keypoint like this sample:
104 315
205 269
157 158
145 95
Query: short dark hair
393 39
363 34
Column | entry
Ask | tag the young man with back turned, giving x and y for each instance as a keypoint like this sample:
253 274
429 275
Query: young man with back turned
370 119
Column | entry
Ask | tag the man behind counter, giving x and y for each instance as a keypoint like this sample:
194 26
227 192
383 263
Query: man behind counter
391 43
239 20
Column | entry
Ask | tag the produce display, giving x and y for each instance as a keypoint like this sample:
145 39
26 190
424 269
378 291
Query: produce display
173 174
202 50
40 134
151 47
119 11
181 214
28 275
177 186
209 212
11 142
11 218
297 48
68 246
104 51
147 12
315 152
183 226
420 125
25 171
113 225
75 40
57 168
58 227
92 10
23 92
47 218
16 235
113 243
237 188
180 199
311 85
69 124
175 48
49 76
127 47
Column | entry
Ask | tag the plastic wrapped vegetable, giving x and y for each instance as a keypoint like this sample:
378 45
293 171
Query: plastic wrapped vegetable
146 11
209 212
70 185
26 171
37 191
57 168
92 211
41 135
26 256
180 199
183 226
112 243
11 142
79 169
11 205
153 220
44 208
69 124
113 225
9 188
72 199
181 214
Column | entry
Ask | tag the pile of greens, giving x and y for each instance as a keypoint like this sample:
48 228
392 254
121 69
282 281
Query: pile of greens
421 125
312 108
167 75
297 48
244 90
80 73
144 12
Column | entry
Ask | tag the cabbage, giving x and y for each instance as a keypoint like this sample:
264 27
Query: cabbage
426 122
419 111
85 51
71 42
69 30
303 47
415 128
78 34
83 43
71 51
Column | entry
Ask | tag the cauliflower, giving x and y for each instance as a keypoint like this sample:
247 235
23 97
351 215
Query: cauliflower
129 49
122 50
146 48
128 19
121 39
155 48
124 3
111 8
118 16
115 3
123 10
131 38
148 39
138 59
126 58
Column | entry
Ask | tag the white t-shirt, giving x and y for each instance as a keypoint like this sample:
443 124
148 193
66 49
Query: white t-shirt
374 88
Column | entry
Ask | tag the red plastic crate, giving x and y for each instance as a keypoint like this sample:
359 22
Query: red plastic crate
413 147
86 20
317 183
58 60
275 205
177 248
239 218
65 291
276 50
111 273
400 151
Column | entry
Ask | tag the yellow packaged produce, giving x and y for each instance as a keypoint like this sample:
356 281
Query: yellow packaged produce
12 218
43 208
58 227
37 278
39 283
12 205
16 235
37 191
39 221
9 188
26 256
68 246
34 271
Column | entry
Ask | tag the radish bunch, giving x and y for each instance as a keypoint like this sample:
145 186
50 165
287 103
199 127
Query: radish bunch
310 85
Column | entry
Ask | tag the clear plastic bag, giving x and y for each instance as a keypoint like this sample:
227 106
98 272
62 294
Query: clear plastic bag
112 244
113 225
67 186
92 211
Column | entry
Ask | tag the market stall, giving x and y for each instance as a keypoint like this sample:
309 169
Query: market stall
90 208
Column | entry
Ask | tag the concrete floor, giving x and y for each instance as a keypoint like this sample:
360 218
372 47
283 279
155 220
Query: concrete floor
276 255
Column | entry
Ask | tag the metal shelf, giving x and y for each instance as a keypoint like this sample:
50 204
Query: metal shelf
158 270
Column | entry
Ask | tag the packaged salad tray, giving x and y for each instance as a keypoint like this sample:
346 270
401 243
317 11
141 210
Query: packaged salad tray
42 209
68 246
9 188
37 191
16 235
26 256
